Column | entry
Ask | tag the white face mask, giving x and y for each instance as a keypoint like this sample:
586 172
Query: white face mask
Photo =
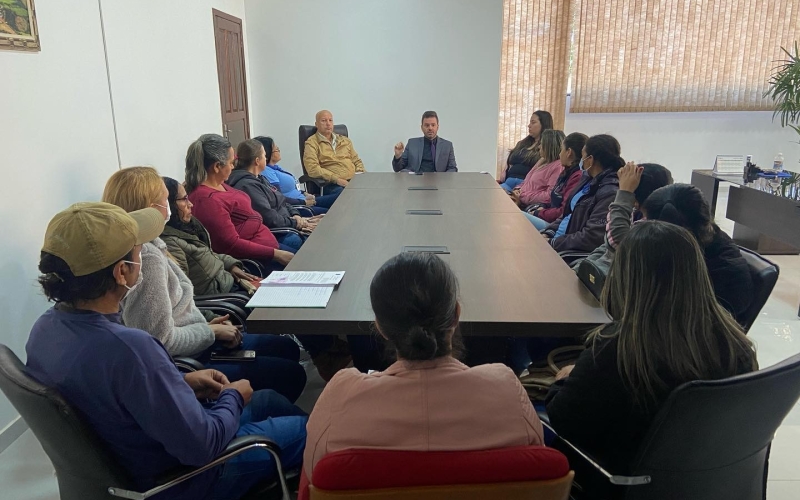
139 279
138 282
169 211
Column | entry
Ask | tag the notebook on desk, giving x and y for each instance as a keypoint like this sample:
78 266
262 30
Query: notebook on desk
311 289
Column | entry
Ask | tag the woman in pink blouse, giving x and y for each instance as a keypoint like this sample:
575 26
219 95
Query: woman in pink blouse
427 400
543 176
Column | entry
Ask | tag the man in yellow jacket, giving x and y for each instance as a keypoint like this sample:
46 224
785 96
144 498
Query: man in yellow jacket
330 157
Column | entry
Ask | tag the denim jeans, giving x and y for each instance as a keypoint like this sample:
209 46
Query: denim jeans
333 190
291 240
326 200
539 224
276 365
509 184
271 415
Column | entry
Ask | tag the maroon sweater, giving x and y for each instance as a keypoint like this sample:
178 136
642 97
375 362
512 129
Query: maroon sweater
235 228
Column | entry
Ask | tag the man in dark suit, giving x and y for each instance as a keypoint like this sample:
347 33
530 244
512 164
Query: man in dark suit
429 153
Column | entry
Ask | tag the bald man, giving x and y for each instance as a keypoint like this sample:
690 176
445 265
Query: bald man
330 157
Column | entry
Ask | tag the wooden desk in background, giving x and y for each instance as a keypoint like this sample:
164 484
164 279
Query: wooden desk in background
512 282
764 222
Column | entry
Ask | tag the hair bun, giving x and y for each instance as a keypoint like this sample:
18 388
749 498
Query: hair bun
423 341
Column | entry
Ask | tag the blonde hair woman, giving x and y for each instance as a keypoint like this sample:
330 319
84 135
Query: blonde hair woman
543 176
162 302
668 329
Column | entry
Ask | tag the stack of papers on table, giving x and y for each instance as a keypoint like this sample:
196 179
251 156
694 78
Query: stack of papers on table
296 289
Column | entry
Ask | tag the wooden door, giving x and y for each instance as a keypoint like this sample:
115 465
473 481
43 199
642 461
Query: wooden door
232 84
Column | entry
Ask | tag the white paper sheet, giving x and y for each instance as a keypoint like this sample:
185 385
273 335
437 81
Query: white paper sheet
303 278
291 296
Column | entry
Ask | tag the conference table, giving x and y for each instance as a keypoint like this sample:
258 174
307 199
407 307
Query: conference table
512 283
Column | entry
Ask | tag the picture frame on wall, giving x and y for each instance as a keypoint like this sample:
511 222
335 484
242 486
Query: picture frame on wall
18 29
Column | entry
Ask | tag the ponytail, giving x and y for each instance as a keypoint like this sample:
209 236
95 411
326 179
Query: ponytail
606 150
247 153
206 151
195 171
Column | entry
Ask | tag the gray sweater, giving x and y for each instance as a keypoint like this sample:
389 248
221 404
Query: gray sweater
163 304
620 219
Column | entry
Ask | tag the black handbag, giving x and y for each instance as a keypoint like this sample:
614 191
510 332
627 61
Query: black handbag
592 277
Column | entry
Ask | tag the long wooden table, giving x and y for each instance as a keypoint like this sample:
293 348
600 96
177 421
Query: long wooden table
511 281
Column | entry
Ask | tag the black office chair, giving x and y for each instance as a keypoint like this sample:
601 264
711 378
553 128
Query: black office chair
710 440
85 469
314 186
765 275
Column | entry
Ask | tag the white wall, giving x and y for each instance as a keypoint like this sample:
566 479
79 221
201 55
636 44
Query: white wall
683 142
57 148
56 129
163 68
377 66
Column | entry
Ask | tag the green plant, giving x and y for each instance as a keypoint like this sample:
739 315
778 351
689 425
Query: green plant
784 89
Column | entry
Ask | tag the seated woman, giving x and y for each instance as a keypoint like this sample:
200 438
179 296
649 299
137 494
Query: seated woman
668 329
636 184
543 176
426 400
189 244
684 205
123 382
162 303
287 184
525 154
582 227
265 199
235 228
542 214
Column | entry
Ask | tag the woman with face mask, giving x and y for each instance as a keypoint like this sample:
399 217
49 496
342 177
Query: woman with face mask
162 303
582 226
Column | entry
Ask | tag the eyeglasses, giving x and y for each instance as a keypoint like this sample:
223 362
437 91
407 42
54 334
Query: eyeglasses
276 150
182 199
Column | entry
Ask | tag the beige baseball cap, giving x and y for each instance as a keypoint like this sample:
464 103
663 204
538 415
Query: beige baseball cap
91 236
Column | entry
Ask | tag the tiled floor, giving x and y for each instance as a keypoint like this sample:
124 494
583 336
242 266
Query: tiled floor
26 473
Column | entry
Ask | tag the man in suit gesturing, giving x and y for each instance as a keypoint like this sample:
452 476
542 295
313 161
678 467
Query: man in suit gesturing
429 153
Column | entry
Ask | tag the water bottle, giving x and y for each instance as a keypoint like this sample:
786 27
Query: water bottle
777 164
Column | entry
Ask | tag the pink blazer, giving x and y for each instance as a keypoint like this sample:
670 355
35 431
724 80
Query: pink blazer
422 406
539 182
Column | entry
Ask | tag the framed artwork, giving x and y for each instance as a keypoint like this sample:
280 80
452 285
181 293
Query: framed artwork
18 29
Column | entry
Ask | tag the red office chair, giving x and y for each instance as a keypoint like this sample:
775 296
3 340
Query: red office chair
523 472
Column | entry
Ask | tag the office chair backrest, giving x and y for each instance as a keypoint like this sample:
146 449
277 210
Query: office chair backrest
711 438
84 467
307 131
765 275
509 473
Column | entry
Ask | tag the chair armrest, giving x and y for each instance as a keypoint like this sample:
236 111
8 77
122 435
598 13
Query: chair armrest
238 315
612 478
235 447
231 298
187 365
570 257
303 208
285 230
306 179
253 267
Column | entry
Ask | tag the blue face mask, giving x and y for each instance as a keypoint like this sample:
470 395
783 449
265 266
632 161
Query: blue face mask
580 165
